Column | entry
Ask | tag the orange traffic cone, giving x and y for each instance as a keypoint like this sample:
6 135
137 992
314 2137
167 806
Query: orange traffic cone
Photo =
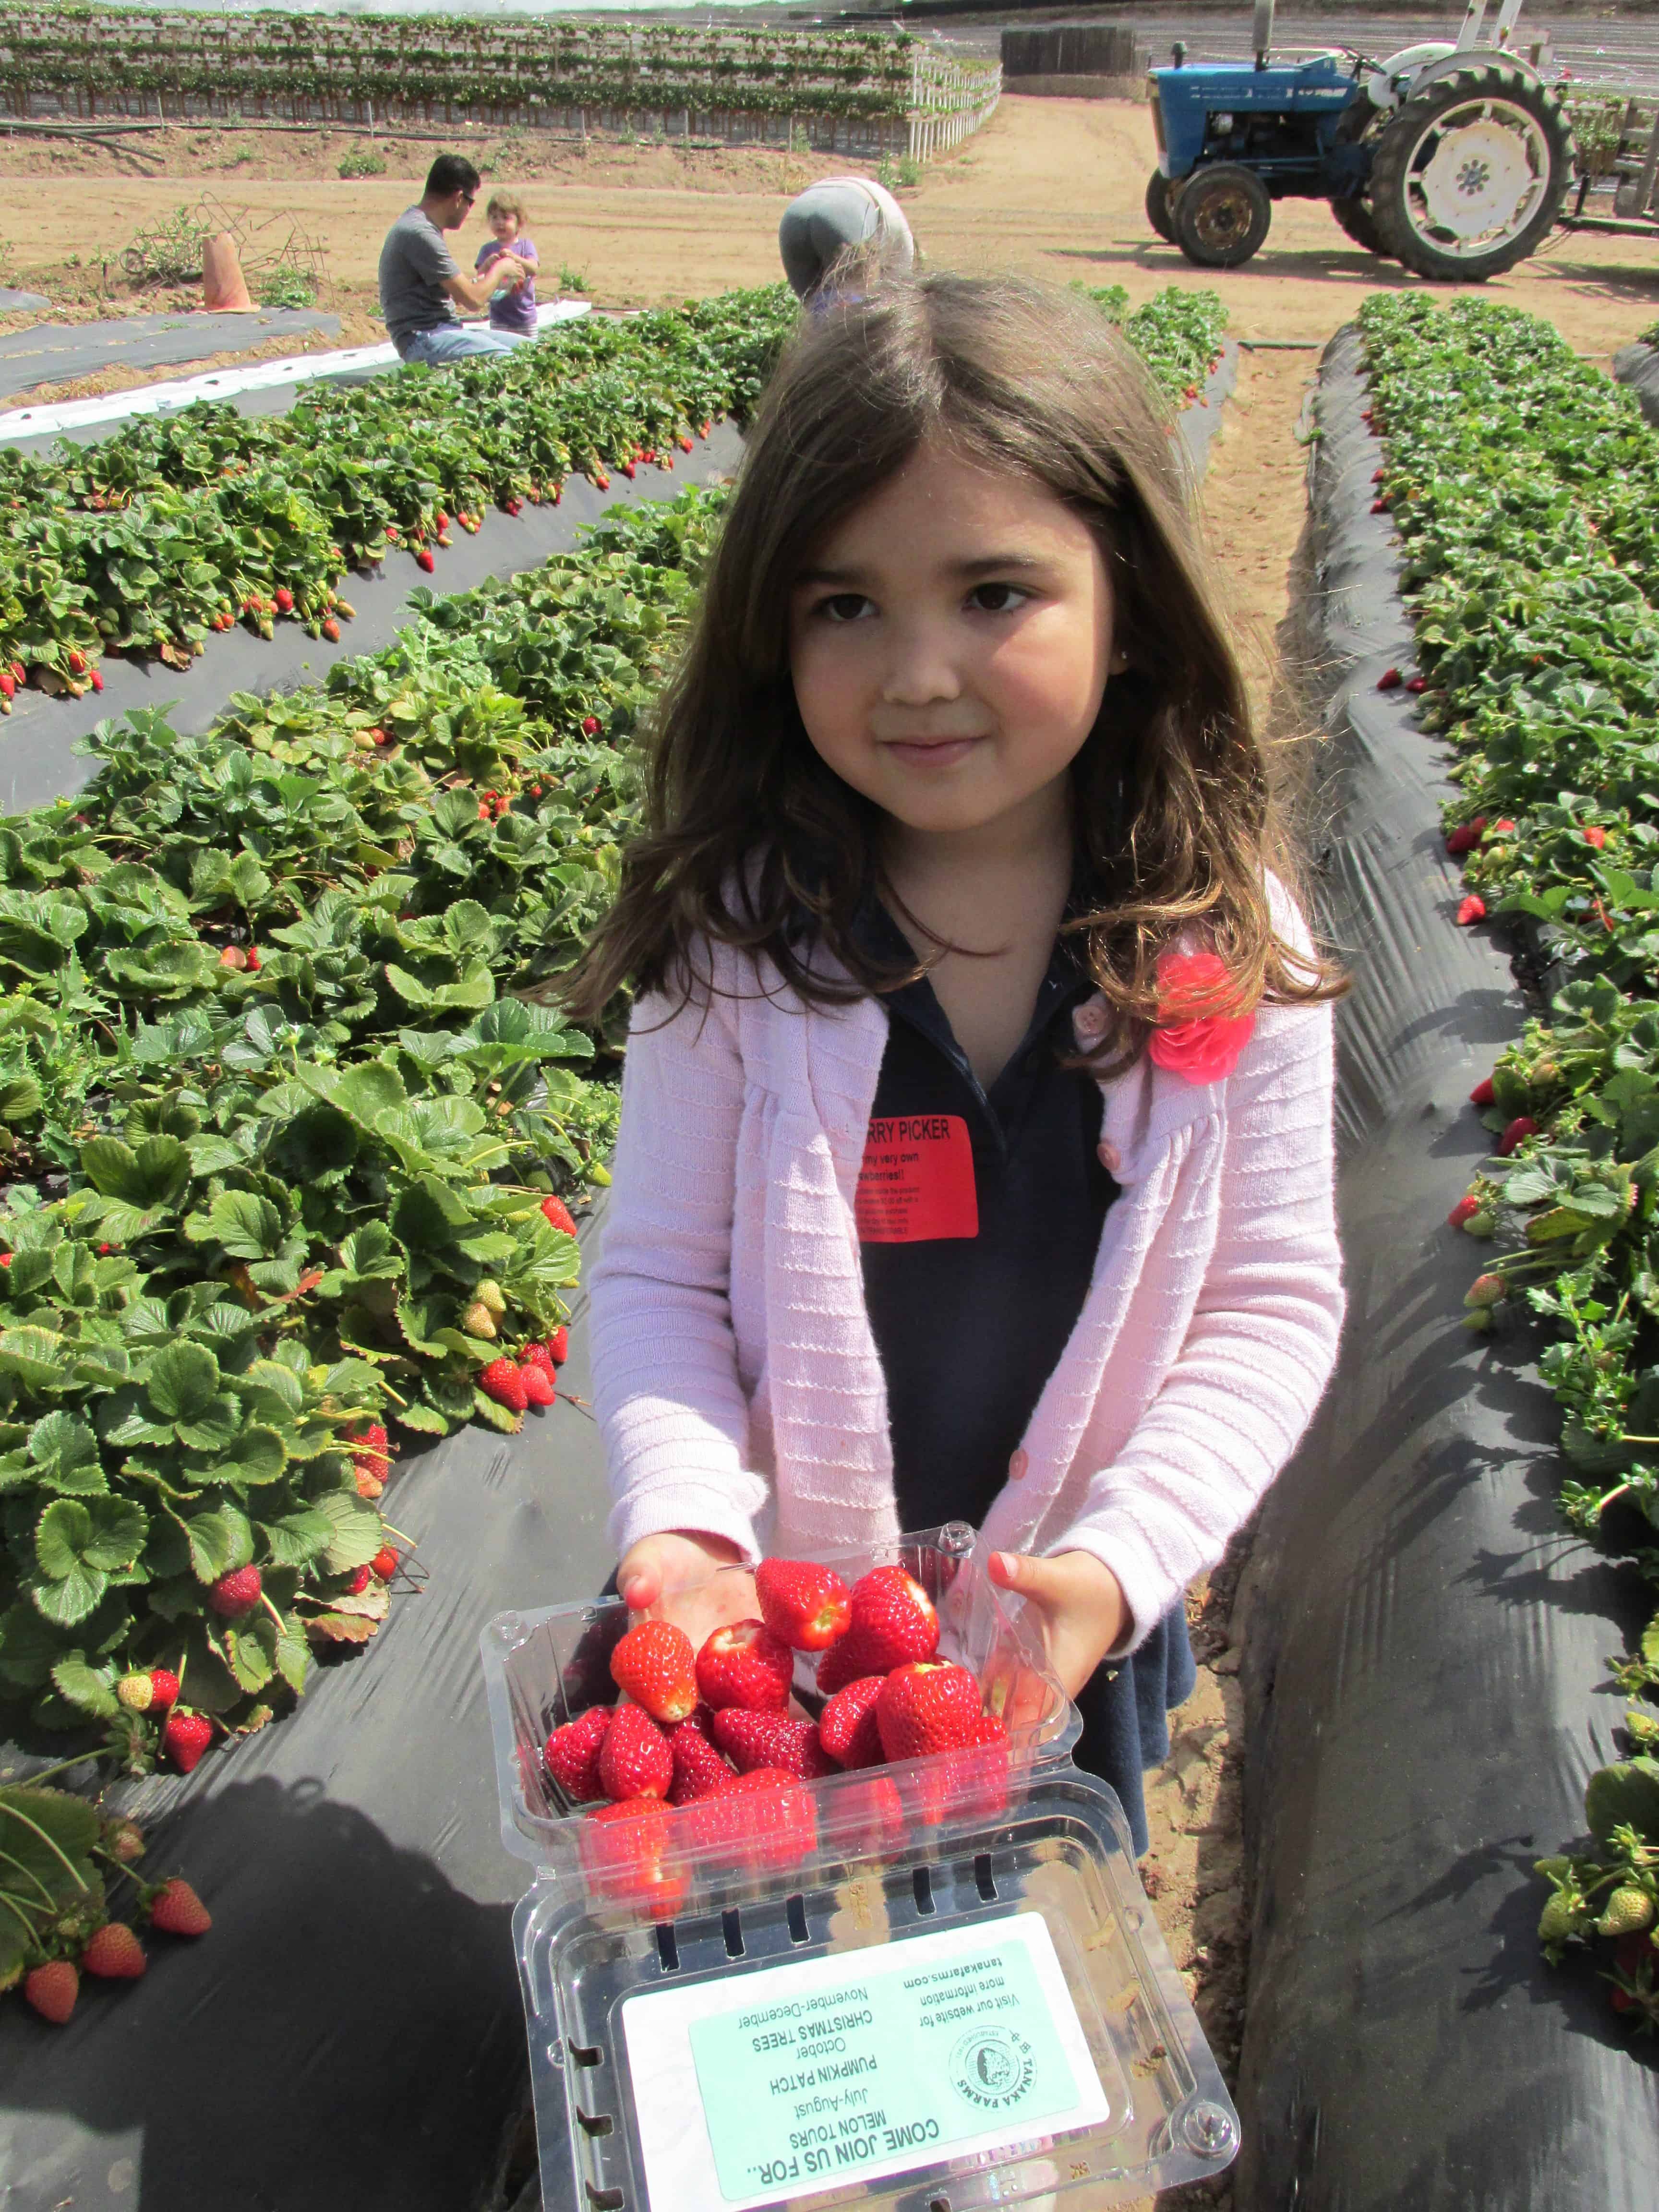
224 287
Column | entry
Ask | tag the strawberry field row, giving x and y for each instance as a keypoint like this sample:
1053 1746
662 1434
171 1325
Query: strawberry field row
178 525
109 58
1178 333
281 1115
1525 486
284 1112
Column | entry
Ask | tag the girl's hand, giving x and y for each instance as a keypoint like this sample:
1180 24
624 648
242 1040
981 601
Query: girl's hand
675 1575
1077 1604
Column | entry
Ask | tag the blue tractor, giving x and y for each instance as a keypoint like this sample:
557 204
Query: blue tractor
1450 158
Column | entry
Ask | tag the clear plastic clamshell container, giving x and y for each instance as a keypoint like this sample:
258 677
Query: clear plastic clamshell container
950 1994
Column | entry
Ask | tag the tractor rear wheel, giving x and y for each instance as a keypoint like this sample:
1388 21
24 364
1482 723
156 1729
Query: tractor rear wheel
1157 206
1221 215
1467 179
1354 216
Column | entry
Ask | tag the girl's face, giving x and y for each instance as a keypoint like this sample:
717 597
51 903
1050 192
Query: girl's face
506 226
951 642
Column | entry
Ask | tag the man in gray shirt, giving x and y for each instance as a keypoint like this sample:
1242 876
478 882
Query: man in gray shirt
421 280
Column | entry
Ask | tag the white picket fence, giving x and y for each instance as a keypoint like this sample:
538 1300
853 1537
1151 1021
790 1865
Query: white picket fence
948 101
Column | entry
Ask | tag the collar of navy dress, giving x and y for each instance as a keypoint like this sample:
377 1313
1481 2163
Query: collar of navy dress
980 1215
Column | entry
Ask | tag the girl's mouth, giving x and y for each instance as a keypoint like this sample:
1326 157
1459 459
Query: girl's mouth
929 752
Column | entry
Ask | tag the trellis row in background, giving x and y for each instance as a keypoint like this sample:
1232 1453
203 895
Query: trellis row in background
843 91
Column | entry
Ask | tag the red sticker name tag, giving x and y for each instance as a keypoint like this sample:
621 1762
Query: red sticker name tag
917 1181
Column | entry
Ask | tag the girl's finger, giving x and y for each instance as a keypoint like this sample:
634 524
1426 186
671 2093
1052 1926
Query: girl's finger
639 1583
1044 1580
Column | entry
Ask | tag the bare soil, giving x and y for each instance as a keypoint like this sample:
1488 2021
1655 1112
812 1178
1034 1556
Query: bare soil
1050 187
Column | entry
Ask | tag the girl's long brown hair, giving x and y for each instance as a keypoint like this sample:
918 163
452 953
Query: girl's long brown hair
751 841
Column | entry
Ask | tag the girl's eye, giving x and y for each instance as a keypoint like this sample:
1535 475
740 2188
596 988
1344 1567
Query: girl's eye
996 599
843 607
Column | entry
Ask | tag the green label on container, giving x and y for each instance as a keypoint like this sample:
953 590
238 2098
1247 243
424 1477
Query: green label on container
873 2063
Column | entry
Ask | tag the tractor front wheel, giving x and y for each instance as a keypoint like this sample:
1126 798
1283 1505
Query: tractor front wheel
1221 215
1157 206
1467 177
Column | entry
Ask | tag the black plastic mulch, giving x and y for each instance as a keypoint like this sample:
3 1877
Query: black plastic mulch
1426 1667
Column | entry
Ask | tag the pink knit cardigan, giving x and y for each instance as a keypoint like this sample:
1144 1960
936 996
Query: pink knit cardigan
736 1378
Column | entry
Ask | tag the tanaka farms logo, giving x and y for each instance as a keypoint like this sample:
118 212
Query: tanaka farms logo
993 2068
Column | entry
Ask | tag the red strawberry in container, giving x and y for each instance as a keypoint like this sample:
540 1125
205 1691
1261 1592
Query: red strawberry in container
626 1853
762 1822
848 1727
572 1754
892 1621
700 1768
743 1664
970 1781
655 1666
927 1706
635 1759
753 1740
806 1605
868 1816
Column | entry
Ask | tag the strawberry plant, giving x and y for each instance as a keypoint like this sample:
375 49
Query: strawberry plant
1524 486
1178 333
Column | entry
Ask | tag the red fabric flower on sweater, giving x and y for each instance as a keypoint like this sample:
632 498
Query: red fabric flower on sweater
1197 1037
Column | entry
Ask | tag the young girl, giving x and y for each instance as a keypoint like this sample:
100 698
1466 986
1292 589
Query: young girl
976 1147
515 309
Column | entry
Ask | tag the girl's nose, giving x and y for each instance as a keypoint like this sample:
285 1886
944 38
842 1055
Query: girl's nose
921 666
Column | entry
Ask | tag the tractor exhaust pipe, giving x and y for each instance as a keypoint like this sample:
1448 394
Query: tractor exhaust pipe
1261 31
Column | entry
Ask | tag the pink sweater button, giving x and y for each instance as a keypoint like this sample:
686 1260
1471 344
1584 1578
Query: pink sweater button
1110 1158
1089 1020
1018 1465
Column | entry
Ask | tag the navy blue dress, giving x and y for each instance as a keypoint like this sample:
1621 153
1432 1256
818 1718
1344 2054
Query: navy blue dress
980 1216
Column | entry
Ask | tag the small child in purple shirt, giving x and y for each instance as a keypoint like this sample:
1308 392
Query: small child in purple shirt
513 310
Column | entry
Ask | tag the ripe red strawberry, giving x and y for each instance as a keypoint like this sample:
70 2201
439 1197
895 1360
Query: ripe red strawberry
807 1606
424 559
284 600
331 630
176 1910
744 1664
53 1990
847 1726
1516 1135
892 1621
538 1383
1466 836
699 1768
1389 680
502 1380
1596 836
558 1346
572 1754
763 1821
628 468
590 726
114 1954
626 1854
360 1580
927 1706
559 1214
1472 910
236 1593
972 1780
635 1759
870 1815
7 684
442 520
1465 1210
95 679
185 1738
755 1741
1417 683
537 1355
1483 1093
163 1688
78 661
385 1563
655 1665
